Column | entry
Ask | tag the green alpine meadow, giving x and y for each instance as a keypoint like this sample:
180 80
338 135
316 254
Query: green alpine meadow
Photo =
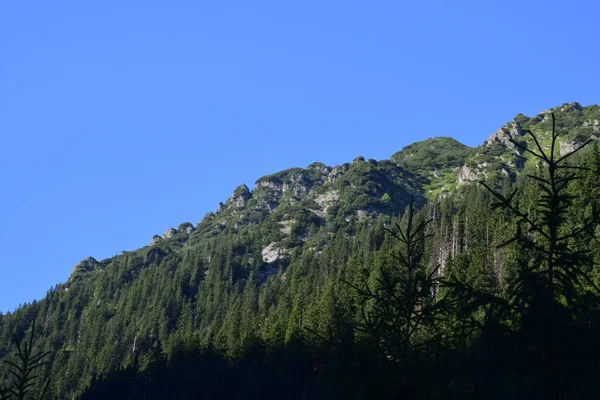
443 272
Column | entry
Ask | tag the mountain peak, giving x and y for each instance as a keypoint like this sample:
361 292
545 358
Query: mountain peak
440 152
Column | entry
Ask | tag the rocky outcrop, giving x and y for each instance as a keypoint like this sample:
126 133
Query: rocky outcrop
575 106
336 172
318 166
286 226
512 130
155 239
595 124
169 233
295 182
466 176
326 199
271 184
271 253
568 146
241 195
186 228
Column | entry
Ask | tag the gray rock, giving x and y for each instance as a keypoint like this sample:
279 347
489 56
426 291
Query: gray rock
466 176
322 168
186 227
326 199
286 226
272 184
155 240
573 106
271 253
241 195
567 146
512 130
169 233
336 172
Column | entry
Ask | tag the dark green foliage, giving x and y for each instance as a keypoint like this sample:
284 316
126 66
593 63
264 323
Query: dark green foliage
23 371
438 153
550 305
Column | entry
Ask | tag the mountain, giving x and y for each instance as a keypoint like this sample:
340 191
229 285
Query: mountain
276 266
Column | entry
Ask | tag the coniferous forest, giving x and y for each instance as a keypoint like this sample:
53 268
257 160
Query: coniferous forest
443 272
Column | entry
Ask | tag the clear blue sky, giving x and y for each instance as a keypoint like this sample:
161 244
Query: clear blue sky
121 119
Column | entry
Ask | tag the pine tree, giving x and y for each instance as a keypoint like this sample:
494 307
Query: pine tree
550 298
24 371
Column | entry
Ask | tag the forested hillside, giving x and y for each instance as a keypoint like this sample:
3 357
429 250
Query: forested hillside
399 278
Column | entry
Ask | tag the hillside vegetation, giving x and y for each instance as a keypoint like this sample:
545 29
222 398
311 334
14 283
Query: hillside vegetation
299 287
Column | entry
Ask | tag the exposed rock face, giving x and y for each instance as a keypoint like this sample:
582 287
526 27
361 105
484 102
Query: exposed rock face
286 226
155 240
573 106
503 135
241 195
336 172
186 227
271 253
294 181
272 184
318 213
220 207
300 186
466 176
322 168
169 233
325 200
595 124
567 146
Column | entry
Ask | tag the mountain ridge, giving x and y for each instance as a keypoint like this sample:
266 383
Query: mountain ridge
444 164
267 265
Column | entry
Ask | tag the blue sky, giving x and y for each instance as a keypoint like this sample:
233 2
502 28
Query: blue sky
119 120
